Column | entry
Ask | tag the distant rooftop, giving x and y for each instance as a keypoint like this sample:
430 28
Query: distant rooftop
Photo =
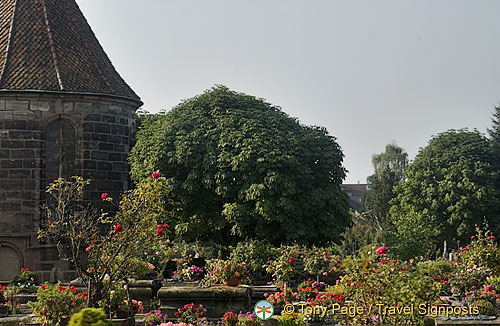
47 45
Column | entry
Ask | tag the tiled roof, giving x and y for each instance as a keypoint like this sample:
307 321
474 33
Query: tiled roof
47 45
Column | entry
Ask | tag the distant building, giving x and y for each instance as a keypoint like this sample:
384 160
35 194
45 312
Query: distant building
357 194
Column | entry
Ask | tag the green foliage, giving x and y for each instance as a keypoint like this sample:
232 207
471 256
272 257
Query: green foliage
466 279
90 317
220 270
285 265
494 132
482 251
393 283
56 304
449 187
114 244
254 253
495 282
239 168
25 279
318 261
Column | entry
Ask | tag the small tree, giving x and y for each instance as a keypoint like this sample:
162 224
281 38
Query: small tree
102 248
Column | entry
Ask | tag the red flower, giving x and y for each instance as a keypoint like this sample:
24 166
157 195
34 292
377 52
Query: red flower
491 237
104 195
43 286
50 223
88 248
161 227
155 175
118 228
291 259
381 250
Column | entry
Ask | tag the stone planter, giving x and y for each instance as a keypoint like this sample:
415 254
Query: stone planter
4 311
217 300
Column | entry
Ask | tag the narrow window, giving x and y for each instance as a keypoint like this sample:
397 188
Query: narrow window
60 148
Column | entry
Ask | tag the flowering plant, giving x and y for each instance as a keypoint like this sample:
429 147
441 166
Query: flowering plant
137 306
3 291
309 289
248 319
222 270
154 318
465 279
191 314
285 266
56 303
230 319
11 307
487 293
279 299
293 319
317 262
25 279
113 244
482 251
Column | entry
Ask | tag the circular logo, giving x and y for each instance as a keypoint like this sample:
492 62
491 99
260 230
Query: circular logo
263 310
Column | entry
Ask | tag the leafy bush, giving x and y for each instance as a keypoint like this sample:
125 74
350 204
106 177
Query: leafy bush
25 279
392 282
482 251
56 303
254 253
221 270
440 270
286 265
90 317
466 279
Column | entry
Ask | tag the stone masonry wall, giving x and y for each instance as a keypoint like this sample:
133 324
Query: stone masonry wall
104 129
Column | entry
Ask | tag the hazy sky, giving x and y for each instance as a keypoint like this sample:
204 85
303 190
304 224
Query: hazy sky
371 72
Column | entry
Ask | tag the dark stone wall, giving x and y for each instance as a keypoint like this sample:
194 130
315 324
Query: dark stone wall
104 132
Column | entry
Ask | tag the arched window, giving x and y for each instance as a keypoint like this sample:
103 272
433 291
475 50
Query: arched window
60 150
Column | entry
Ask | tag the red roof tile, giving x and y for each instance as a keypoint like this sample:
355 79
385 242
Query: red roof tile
47 45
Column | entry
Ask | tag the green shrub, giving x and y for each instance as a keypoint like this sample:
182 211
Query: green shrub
254 253
55 303
466 279
90 317
25 279
482 251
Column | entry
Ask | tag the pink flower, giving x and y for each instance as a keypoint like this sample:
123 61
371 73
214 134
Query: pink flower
291 259
155 175
381 250
151 266
489 288
491 237
473 237
118 228
104 195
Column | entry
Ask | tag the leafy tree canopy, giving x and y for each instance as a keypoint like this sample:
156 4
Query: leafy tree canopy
448 188
240 168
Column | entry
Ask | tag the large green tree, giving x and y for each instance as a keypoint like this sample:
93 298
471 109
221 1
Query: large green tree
240 168
449 187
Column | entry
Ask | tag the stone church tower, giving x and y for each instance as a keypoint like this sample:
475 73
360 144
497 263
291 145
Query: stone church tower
64 111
